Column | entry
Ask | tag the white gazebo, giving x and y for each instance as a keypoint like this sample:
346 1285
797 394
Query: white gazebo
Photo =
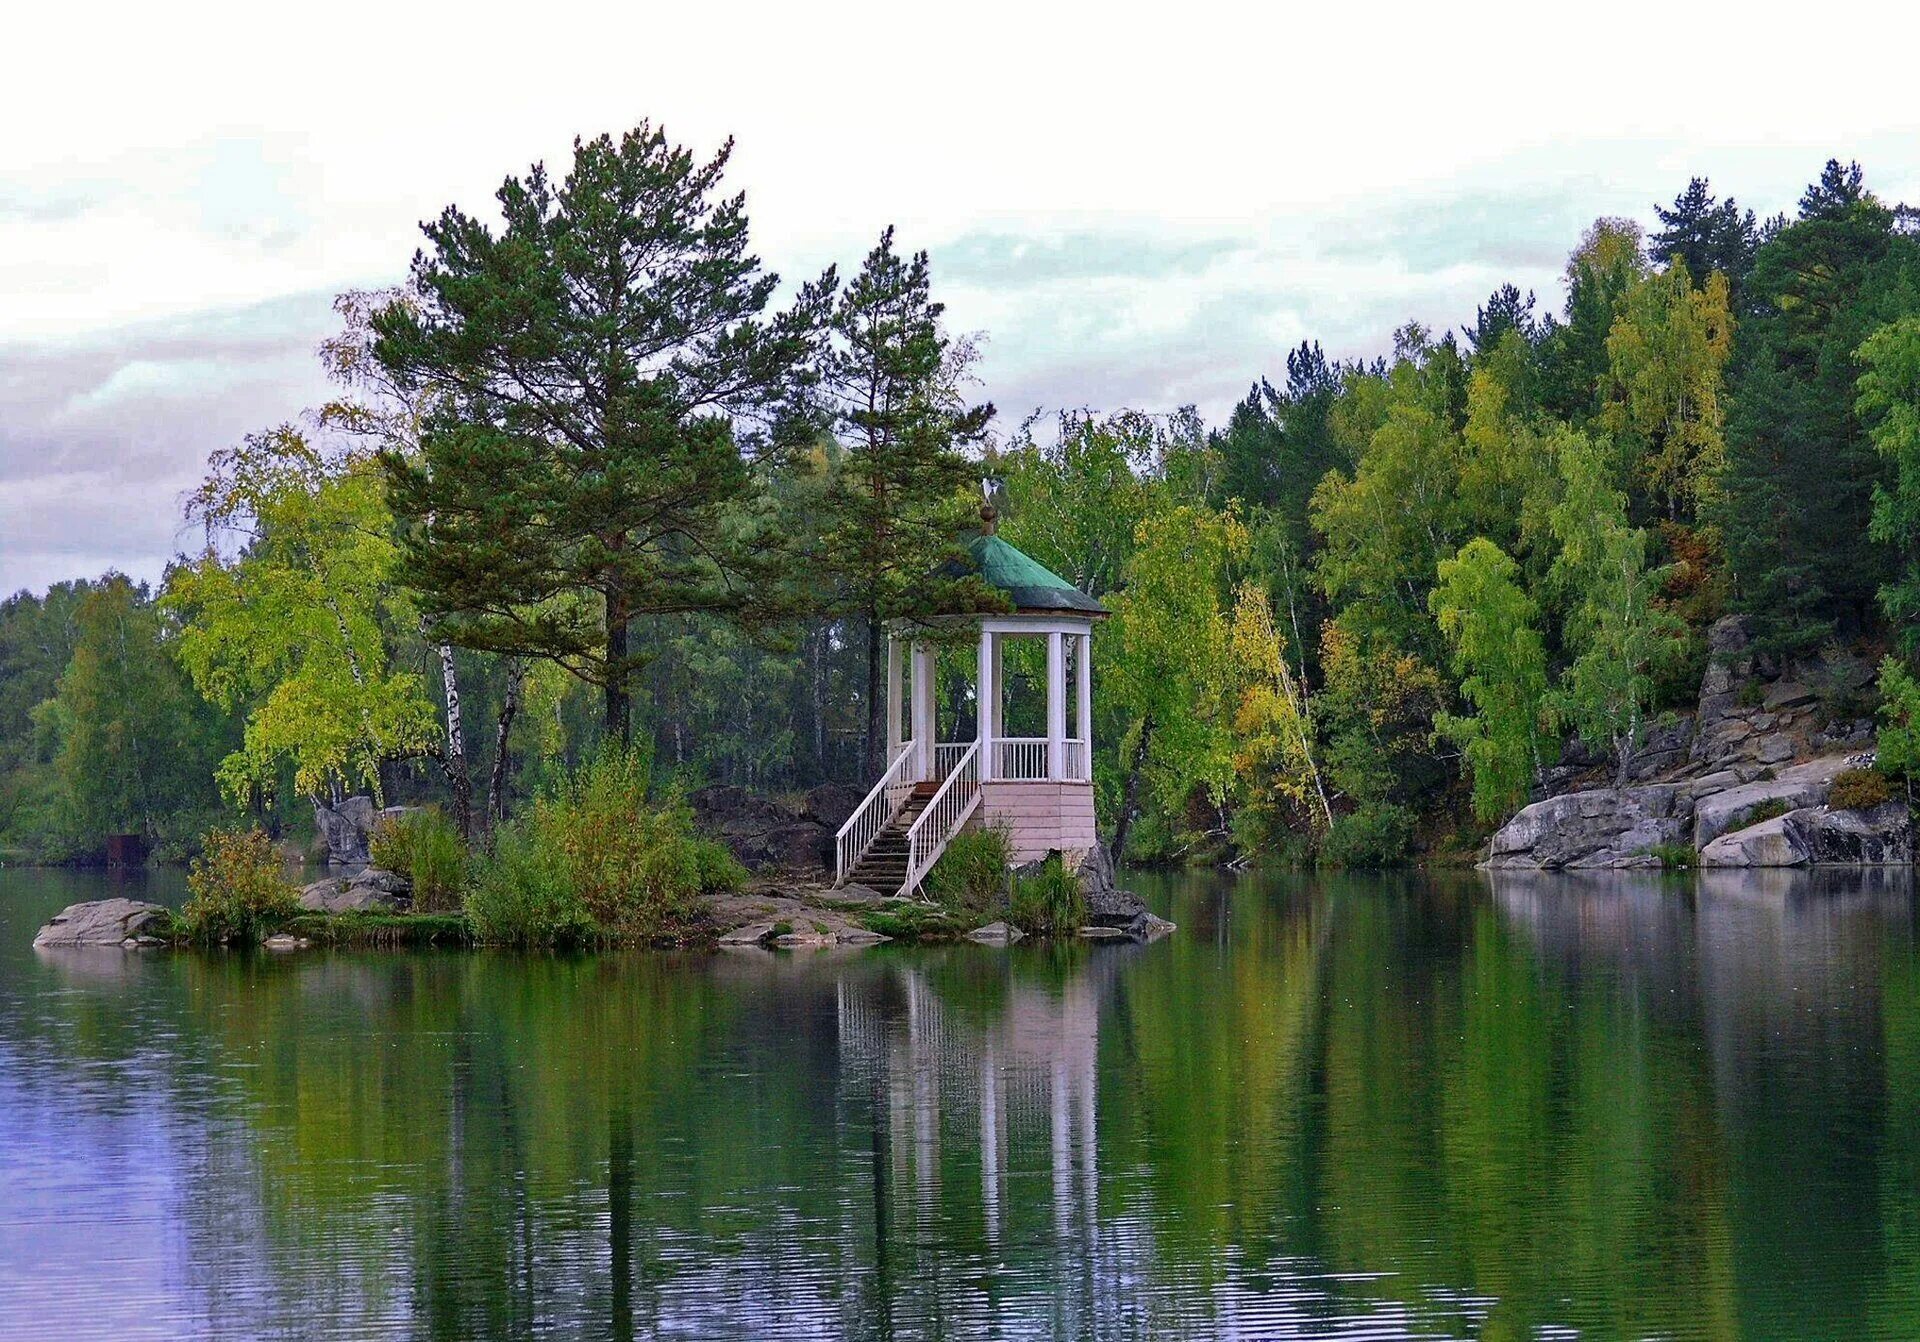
1040 787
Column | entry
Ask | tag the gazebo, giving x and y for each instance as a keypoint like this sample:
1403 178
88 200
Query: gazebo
1040 787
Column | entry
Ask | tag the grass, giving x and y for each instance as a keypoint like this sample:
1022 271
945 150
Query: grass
387 930
1675 856
916 922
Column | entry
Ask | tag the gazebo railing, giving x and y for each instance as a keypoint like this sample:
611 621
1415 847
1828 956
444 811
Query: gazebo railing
950 808
872 815
1023 759
946 754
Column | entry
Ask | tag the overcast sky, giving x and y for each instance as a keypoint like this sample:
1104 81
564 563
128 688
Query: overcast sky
1138 206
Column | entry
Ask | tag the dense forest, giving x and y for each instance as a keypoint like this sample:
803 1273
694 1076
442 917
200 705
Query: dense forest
584 478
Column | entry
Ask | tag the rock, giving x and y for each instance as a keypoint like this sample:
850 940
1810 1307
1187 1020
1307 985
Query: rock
750 935
1878 836
860 936
345 828
1664 748
1801 785
803 845
995 934
1771 843
284 941
1786 694
357 894
1095 932
804 940
102 922
1774 749
830 804
1601 827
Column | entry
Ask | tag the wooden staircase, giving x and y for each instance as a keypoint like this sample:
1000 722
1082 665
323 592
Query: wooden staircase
884 865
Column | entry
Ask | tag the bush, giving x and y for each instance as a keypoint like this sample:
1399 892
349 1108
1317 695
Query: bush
237 890
1376 835
971 875
1049 902
1771 809
520 896
1675 856
1859 790
424 847
597 858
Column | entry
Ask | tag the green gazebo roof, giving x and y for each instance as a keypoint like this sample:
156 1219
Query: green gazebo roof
1032 585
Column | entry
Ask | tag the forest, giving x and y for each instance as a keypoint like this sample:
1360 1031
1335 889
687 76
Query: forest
593 474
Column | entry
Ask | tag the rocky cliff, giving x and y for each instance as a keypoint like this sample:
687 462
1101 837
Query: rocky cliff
1743 780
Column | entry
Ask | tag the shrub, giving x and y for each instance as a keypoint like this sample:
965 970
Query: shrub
1772 809
598 858
971 875
1378 834
1049 902
520 896
237 890
1675 856
424 847
1859 790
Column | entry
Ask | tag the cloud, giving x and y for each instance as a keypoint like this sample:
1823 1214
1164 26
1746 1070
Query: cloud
100 439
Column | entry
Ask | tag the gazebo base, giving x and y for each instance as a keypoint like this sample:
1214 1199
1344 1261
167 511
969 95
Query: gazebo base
1040 816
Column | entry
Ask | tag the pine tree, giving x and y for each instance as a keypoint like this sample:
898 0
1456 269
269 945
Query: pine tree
1800 468
899 499
596 354
1708 235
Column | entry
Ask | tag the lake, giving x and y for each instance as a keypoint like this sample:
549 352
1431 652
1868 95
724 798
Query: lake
1353 1107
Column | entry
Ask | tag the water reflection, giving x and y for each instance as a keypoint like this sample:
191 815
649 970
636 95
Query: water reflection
1607 1106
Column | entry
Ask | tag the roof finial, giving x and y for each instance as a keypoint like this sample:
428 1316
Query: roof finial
989 515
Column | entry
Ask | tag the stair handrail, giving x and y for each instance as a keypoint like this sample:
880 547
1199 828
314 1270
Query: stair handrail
870 817
935 827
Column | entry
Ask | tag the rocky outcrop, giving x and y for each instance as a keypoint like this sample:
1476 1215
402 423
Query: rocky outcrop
1107 905
370 890
103 922
1601 827
1791 789
1818 836
770 834
1620 827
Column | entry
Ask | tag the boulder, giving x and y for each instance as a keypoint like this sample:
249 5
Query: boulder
1877 836
995 934
1771 843
1601 827
372 889
1664 748
1800 786
830 804
103 922
1786 694
344 829
801 845
750 935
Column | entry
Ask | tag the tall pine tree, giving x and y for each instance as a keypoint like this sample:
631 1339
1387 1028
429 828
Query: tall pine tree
596 354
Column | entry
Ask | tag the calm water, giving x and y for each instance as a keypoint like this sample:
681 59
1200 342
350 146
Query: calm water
1344 1108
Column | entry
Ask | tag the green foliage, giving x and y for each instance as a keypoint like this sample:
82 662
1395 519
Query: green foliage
1049 902
521 896
1675 856
597 858
1859 790
1899 746
426 848
1801 470
238 890
1497 651
582 472
1889 402
300 629
1378 834
1771 809
971 875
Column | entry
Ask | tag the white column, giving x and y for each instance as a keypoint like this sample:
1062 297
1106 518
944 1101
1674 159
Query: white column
923 708
999 686
1056 705
893 698
1083 725
986 695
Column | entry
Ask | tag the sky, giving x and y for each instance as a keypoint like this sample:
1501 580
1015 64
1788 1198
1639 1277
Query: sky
1134 206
